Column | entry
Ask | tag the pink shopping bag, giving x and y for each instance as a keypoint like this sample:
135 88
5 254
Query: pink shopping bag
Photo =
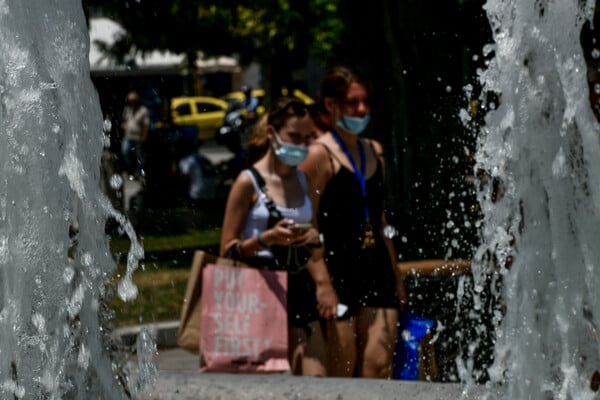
244 320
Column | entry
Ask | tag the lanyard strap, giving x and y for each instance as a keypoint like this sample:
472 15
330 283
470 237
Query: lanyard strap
359 173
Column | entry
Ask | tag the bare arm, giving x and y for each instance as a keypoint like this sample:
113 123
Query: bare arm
242 197
389 244
240 200
318 171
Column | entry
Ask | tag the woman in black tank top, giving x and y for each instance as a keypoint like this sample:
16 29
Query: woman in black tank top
347 173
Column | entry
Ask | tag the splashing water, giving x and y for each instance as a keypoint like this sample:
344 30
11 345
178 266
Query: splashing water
52 343
542 143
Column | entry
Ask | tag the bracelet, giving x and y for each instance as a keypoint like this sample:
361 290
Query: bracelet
261 241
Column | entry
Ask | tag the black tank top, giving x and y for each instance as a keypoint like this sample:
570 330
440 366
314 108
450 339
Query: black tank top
361 277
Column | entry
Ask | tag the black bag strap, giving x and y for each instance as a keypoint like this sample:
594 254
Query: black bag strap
283 256
273 211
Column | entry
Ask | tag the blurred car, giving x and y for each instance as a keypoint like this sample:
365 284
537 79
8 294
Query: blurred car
203 112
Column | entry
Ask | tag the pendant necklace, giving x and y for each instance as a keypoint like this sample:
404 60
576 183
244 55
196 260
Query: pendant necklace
369 239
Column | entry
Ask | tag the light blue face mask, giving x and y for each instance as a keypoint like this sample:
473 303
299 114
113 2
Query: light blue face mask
289 153
354 124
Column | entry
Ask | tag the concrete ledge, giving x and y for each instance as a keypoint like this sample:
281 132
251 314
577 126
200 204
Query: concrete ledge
209 386
165 333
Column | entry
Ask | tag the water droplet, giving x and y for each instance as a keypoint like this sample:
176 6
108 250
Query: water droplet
39 322
68 274
389 231
48 85
595 54
116 181
127 290
87 259
83 358
107 125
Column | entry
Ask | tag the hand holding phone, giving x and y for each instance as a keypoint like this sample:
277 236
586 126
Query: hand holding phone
299 227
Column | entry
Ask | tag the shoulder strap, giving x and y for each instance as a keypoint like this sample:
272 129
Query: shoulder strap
258 179
273 211
330 154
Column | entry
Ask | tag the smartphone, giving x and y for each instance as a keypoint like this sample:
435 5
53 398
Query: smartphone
341 310
299 227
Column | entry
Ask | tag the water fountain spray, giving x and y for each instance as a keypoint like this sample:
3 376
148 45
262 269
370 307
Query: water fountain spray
52 343
542 144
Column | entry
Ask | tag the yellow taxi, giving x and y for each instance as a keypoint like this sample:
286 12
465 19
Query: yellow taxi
204 112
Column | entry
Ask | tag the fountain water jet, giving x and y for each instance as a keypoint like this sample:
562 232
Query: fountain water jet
542 142
52 343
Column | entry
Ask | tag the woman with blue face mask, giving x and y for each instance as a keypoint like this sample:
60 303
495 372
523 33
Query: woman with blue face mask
347 174
269 214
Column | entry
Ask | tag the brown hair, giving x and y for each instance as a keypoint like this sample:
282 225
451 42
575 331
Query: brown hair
320 116
258 143
337 82
283 109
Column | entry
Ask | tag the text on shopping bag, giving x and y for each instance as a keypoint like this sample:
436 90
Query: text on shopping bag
237 315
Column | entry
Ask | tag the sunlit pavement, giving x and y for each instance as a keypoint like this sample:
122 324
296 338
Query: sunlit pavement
179 378
211 386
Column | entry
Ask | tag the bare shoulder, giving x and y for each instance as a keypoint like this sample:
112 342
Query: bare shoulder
317 154
243 184
376 146
317 163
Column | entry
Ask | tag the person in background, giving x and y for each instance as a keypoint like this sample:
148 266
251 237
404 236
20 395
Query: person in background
201 178
135 125
250 232
250 103
347 175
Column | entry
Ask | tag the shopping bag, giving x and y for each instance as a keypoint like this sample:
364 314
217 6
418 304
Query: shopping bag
244 320
415 357
189 321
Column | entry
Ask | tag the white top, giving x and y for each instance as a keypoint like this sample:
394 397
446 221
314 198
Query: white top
135 120
259 214
202 186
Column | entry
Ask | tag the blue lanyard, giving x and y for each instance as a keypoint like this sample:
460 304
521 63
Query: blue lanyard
359 173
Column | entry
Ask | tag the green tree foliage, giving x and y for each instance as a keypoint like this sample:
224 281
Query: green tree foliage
278 34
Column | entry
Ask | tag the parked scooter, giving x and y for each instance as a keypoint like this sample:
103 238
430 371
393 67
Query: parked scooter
232 134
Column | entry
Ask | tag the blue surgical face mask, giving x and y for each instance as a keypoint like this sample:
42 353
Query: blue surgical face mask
354 124
289 153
